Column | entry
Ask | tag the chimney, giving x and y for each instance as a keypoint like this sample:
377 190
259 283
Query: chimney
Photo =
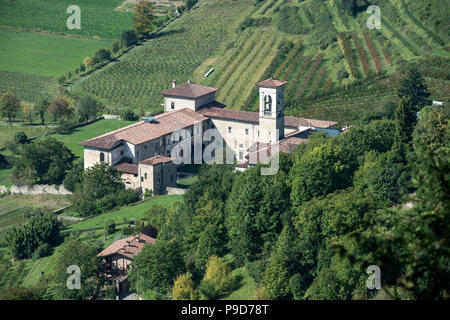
174 83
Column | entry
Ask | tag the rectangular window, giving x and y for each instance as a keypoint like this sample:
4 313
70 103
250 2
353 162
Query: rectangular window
241 145
229 129
241 155
246 132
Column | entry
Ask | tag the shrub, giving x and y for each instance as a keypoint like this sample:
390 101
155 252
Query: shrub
43 250
111 292
128 38
20 138
110 227
129 115
150 231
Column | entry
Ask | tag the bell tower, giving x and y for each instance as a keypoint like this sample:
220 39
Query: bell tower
271 110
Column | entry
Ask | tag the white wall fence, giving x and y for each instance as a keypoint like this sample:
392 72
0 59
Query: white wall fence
35 189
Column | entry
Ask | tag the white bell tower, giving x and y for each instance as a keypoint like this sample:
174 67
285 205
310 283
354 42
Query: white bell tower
271 110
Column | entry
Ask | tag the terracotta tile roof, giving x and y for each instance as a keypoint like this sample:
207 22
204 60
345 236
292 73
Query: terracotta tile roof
142 131
127 168
156 160
215 110
189 90
286 145
127 247
271 83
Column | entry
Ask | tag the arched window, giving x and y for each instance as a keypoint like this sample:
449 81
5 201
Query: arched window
102 157
267 104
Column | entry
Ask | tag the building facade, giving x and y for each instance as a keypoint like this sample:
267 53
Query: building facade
142 151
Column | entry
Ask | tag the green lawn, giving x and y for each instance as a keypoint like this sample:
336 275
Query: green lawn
72 139
134 211
98 18
45 54
4 177
187 182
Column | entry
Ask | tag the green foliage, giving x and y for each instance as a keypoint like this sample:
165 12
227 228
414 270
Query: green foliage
413 90
43 250
144 18
24 240
83 255
159 277
102 55
183 288
43 162
73 176
9 105
218 280
88 108
101 189
20 138
128 38
254 212
290 21
110 227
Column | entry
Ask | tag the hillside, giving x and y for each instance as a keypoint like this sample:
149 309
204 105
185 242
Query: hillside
335 66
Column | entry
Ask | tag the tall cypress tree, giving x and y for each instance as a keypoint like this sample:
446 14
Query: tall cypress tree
405 121
414 90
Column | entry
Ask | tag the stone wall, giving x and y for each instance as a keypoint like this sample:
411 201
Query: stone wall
171 190
35 189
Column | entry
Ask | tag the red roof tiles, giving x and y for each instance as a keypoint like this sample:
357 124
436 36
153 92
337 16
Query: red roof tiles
127 168
271 83
142 131
216 111
189 90
128 247
156 160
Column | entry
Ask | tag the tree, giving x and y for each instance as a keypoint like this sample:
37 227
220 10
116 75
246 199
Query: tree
24 240
183 288
100 186
46 162
73 176
156 267
84 256
101 55
28 111
128 38
9 105
20 138
115 47
218 280
413 244
88 108
144 18
60 108
41 108
413 90
405 121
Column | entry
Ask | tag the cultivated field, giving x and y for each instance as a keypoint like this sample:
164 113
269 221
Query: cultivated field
137 79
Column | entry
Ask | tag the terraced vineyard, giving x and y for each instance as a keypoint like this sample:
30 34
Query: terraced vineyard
138 78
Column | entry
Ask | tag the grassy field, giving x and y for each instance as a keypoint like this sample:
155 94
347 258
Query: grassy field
44 54
137 211
7 132
13 207
139 77
27 87
98 18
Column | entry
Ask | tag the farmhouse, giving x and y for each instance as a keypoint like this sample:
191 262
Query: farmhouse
143 152
116 258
